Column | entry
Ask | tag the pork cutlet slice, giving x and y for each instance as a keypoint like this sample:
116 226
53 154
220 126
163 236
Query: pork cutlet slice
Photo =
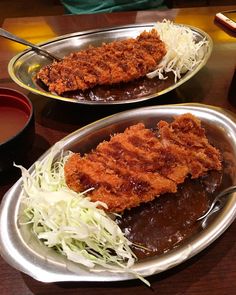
140 164
111 63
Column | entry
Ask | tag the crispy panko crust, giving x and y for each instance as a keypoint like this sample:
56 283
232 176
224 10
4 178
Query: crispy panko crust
140 164
111 63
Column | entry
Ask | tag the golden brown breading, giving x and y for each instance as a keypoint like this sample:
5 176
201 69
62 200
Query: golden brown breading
111 63
139 164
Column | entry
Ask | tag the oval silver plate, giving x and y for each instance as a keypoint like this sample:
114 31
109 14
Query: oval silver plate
24 66
23 251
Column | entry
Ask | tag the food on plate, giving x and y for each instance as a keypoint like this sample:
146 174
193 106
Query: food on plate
69 222
184 52
111 63
140 164
67 198
167 221
167 51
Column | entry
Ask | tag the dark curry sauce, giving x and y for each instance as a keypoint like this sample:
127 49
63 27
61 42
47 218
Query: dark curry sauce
136 89
162 224
169 220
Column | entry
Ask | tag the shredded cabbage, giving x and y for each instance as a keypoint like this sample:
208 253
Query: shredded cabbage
183 52
70 222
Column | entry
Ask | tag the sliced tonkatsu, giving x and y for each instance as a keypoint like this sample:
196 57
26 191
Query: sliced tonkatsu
140 164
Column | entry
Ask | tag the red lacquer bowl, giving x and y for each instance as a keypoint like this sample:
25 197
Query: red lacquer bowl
16 127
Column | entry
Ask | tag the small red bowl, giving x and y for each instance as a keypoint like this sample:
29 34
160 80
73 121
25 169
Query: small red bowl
16 127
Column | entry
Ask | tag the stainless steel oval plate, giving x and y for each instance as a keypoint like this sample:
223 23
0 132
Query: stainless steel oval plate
22 250
23 67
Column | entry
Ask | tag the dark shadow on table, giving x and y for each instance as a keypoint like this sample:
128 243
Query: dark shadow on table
225 29
60 115
9 177
232 90
195 90
40 146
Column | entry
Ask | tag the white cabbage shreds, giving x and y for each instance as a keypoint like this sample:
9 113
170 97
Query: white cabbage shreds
70 222
183 52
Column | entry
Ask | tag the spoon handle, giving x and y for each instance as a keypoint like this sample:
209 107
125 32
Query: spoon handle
223 193
12 37
17 39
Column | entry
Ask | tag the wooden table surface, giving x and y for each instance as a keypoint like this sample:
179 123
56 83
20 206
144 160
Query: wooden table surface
213 271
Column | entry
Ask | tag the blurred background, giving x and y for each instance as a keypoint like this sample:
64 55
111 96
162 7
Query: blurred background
21 8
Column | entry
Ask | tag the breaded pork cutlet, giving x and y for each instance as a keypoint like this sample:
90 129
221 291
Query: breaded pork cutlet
140 164
111 63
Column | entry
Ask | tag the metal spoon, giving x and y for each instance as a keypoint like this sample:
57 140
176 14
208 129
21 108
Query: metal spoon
218 199
38 49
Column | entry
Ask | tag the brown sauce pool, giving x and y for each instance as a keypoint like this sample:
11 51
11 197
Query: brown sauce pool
136 89
164 223
12 120
169 220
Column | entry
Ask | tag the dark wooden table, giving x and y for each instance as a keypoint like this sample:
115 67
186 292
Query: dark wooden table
211 272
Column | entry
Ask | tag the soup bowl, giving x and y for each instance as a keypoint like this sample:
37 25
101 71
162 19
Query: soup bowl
16 127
